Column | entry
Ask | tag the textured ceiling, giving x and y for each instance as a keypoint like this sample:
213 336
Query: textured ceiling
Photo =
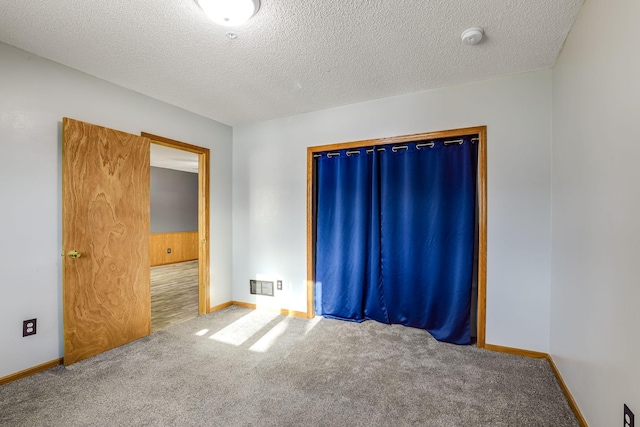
292 57
171 158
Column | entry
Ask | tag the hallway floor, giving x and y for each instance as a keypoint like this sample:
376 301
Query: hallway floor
174 294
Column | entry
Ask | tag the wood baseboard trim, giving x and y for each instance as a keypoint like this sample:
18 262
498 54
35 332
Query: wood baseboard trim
277 310
516 351
220 306
539 355
244 304
294 313
31 371
174 262
567 393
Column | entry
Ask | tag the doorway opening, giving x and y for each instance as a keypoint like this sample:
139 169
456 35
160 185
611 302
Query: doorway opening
180 276
481 195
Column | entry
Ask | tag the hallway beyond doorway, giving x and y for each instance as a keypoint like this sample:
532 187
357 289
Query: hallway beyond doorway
174 294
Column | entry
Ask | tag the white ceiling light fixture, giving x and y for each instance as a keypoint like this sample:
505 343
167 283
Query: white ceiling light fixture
230 13
472 35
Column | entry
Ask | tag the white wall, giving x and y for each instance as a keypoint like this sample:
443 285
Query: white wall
595 294
34 96
269 192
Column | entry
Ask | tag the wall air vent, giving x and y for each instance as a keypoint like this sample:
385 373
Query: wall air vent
261 287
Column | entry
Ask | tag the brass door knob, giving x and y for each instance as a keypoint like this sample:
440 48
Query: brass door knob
74 254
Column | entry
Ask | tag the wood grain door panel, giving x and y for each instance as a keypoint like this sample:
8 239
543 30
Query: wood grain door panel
105 190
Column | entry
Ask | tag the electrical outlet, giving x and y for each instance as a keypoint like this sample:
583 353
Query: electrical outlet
168 250
29 327
628 417
279 285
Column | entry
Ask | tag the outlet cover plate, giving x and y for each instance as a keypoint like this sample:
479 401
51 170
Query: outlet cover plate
29 327
628 417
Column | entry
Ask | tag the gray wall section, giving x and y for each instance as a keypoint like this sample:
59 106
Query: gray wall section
174 201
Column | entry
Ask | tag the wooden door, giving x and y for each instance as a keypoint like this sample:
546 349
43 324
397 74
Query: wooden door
105 219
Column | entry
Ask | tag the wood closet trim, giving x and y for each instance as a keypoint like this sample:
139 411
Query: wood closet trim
481 131
203 213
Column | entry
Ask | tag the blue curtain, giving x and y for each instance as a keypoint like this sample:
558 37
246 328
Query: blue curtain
395 235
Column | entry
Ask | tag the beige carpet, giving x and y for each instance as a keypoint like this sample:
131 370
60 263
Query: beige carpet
239 367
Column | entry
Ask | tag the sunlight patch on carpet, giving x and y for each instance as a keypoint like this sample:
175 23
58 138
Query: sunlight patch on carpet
312 324
267 340
244 328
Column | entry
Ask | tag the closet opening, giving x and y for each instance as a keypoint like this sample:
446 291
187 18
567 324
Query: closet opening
398 224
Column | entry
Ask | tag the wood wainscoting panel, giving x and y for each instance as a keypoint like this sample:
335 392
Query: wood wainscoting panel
183 246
